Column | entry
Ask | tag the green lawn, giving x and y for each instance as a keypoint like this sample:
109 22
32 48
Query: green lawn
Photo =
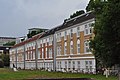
8 74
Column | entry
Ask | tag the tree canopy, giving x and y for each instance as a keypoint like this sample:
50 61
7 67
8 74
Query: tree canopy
77 13
106 43
29 35
9 43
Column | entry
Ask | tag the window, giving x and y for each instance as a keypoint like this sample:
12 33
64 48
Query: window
46 44
87 46
58 65
87 69
73 64
58 50
78 46
78 31
58 36
65 48
86 62
46 52
50 40
71 34
90 68
86 29
50 53
90 62
38 54
65 64
78 65
71 47
42 53
33 54
65 35
90 26
69 64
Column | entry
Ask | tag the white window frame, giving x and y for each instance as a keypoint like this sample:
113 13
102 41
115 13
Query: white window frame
50 52
78 46
73 63
71 33
65 35
71 47
42 53
33 54
38 54
86 29
46 52
78 31
58 50
78 65
65 64
65 48
86 46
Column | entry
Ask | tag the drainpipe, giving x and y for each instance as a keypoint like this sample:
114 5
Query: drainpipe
36 54
54 57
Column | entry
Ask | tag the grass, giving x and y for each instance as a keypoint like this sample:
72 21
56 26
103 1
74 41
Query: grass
8 74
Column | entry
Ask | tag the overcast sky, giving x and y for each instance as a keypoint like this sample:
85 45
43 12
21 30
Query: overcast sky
17 16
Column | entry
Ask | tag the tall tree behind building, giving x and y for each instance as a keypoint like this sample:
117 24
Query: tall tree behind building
106 43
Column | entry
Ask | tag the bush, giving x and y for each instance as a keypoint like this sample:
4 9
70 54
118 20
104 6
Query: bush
1 64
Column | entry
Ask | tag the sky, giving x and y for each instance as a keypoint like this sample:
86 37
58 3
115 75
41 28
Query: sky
17 16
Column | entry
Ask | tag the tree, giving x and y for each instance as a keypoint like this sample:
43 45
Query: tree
90 6
4 60
29 35
9 43
106 43
77 13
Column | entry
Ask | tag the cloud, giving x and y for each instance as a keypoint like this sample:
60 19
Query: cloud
20 15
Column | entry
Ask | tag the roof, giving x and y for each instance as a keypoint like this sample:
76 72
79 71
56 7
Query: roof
70 22
51 31
66 24
28 40
78 19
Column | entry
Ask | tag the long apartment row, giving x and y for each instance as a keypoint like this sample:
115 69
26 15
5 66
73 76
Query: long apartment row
64 48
